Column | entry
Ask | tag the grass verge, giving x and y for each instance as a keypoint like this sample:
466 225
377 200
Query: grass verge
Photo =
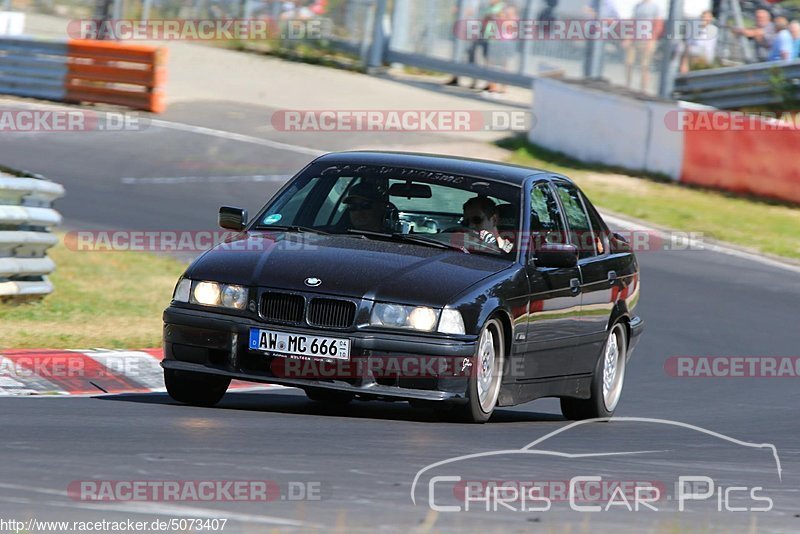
751 223
101 299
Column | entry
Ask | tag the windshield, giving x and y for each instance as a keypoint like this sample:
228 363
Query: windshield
424 207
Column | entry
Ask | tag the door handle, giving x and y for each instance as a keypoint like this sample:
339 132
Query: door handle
575 285
612 277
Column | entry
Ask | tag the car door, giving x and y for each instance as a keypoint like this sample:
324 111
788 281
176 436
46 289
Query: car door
588 233
554 300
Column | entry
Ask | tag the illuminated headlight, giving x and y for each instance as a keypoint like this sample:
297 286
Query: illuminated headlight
451 322
225 295
182 290
397 316
234 297
206 293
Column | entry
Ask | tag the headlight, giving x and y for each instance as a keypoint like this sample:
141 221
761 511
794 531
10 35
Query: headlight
182 290
206 293
451 322
225 295
397 316
234 297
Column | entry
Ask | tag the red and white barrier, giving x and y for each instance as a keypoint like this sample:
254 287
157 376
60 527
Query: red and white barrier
690 143
86 372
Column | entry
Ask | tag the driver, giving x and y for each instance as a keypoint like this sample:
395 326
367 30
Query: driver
480 215
366 207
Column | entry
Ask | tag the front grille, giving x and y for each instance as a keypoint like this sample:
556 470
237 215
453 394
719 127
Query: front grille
331 313
283 307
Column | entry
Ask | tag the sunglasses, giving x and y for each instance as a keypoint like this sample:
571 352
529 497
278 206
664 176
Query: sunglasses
476 219
360 205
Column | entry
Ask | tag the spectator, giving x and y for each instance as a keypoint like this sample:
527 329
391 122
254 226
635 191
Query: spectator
701 46
794 29
502 48
471 7
646 10
763 34
783 45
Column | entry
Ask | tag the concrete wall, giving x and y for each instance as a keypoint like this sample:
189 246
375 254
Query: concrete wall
600 127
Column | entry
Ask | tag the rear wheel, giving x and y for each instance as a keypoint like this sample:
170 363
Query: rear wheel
195 388
327 396
609 375
485 378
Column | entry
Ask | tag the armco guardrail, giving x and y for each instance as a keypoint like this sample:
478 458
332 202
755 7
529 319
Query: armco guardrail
26 219
76 71
758 84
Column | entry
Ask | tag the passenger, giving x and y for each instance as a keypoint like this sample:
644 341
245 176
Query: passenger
480 215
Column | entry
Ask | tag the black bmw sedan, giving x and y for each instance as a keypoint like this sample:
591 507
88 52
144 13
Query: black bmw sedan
455 284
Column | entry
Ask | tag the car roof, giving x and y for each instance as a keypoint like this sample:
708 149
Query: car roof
501 172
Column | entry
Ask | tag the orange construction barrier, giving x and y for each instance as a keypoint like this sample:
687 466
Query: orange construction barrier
109 72
758 160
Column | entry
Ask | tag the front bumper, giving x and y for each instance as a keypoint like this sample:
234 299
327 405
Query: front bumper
217 344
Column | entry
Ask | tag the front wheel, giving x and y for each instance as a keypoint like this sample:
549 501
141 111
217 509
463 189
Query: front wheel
485 379
195 388
609 375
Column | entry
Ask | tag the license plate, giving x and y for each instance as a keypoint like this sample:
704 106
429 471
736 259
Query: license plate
283 343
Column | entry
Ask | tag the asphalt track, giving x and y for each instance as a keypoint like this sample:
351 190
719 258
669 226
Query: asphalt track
364 458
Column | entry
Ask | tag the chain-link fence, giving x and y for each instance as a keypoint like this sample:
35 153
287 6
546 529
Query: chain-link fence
428 33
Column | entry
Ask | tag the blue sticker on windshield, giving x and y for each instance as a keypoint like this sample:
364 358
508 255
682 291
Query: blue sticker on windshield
272 219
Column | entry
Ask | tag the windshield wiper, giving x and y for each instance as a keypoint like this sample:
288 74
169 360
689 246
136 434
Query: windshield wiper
294 228
405 237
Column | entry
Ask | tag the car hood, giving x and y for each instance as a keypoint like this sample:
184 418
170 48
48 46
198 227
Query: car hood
347 266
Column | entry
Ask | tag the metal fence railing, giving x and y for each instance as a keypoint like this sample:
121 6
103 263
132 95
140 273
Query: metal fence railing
757 84
26 219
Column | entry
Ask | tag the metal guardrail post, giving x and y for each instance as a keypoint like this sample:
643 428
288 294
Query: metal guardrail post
525 44
668 64
458 43
593 63
378 36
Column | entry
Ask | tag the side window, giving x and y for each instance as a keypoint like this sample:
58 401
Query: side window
580 229
546 222
601 232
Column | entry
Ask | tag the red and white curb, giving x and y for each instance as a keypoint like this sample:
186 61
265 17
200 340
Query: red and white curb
87 372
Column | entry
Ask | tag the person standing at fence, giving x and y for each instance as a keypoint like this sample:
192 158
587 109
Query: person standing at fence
471 9
762 35
701 45
643 46
502 46
794 29
783 45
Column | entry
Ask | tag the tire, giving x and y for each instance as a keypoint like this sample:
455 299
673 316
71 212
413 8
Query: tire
485 379
330 397
194 388
607 380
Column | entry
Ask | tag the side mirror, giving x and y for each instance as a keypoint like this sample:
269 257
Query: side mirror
232 218
556 256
